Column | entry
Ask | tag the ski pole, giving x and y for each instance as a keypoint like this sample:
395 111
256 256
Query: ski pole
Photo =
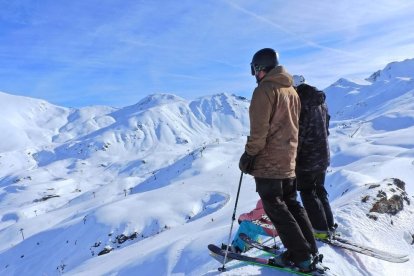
233 218
274 235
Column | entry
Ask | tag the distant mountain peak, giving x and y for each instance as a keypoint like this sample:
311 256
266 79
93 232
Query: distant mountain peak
158 99
223 95
344 83
397 69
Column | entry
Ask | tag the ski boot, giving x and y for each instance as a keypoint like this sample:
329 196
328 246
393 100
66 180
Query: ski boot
281 260
332 229
311 264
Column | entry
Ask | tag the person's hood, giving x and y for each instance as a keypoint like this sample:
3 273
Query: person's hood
280 76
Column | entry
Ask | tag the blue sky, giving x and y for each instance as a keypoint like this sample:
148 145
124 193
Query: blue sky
94 52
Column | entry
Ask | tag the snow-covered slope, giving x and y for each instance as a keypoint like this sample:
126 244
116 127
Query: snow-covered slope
27 122
142 190
99 163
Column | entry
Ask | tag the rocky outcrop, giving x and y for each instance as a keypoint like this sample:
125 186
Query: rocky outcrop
390 198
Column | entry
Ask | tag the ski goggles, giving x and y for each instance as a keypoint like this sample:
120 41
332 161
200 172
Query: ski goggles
256 68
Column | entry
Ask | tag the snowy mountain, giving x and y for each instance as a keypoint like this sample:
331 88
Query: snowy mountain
394 70
386 91
142 190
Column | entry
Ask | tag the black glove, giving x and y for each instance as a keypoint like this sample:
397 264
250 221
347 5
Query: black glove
246 163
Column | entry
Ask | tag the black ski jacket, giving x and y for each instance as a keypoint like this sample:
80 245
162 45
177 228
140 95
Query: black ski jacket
313 148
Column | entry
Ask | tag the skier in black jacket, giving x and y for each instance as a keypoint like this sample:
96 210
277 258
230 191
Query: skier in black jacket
313 157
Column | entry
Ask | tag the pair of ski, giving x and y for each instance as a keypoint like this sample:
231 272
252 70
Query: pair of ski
338 241
219 254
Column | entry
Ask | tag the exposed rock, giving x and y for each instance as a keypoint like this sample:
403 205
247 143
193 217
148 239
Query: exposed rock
388 206
390 202
365 198
46 197
381 194
399 183
106 250
120 239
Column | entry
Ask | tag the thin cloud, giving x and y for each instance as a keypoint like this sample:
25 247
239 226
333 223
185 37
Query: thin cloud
286 30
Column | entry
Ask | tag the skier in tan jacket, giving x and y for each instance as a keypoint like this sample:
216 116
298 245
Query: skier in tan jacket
270 154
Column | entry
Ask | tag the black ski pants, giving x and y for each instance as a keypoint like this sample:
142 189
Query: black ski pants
315 199
279 197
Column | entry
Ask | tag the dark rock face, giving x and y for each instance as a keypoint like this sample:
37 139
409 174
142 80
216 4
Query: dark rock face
389 206
46 197
105 251
390 197
400 184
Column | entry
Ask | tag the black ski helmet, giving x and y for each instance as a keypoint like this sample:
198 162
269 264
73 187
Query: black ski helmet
264 60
